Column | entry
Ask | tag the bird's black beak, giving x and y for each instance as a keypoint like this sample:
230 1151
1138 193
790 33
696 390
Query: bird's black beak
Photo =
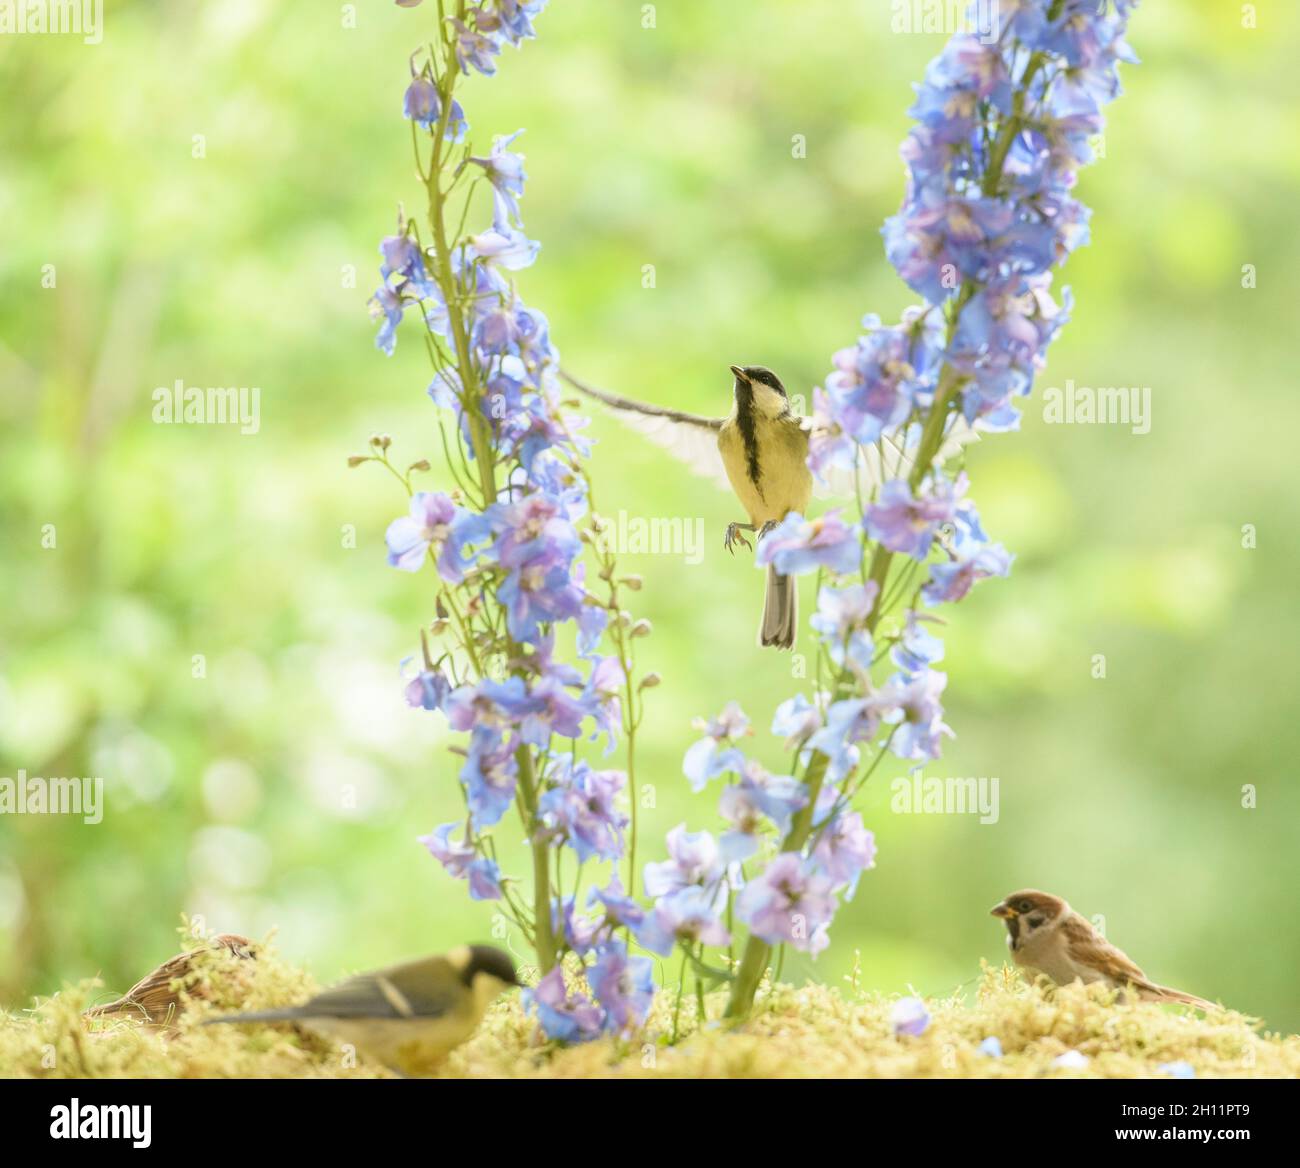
1003 910
740 374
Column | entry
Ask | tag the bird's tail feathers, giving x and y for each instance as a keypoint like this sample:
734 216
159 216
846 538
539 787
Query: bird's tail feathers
1166 994
289 1015
780 611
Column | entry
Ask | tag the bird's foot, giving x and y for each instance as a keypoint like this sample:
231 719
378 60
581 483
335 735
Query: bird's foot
770 525
734 537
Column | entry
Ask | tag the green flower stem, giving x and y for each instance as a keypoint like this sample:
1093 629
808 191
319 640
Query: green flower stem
485 464
758 952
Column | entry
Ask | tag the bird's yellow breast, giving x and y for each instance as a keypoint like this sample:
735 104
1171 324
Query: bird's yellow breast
784 481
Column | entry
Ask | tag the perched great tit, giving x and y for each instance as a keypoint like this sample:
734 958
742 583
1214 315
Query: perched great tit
408 1017
760 450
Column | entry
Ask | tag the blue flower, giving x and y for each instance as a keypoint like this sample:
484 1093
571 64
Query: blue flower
489 777
790 903
505 171
581 810
435 524
908 524
798 545
909 1016
715 753
623 985
388 304
563 1016
950 581
795 720
428 690
505 246
844 850
991 1047
691 915
841 619
693 859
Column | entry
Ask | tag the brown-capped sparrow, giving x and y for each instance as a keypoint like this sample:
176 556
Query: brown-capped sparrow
156 998
1045 934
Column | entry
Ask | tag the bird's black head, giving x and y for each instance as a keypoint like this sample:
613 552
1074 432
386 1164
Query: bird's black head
490 960
758 375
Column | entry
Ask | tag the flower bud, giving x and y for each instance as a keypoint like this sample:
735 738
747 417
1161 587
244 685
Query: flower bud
642 628
649 681
632 582
357 459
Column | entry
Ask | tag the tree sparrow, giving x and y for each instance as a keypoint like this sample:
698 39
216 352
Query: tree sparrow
156 999
1045 934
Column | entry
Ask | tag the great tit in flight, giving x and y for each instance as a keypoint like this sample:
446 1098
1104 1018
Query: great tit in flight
408 1017
760 450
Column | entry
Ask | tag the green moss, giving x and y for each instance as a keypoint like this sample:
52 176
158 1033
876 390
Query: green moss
814 1031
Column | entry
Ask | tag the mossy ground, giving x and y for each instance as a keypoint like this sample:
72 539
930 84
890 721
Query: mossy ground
814 1031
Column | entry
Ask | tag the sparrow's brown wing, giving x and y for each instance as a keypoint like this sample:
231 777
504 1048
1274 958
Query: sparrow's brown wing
691 437
155 998
1088 947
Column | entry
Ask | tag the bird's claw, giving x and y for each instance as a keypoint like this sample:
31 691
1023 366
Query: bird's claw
770 525
734 537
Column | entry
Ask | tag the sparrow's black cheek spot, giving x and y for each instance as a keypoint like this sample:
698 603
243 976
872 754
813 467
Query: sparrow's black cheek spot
1034 922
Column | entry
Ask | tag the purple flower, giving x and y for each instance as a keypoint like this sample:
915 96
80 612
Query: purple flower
789 903
693 860
691 915
844 850
489 777
435 523
918 648
428 689
388 304
563 1016
795 720
952 580
798 545
909 1016
581 810
454 857
620 909
474 49
403 266
422 105
917 714
623 985
505 171
506 246
908 525
848 722
758 799
713 754
484 880
841 619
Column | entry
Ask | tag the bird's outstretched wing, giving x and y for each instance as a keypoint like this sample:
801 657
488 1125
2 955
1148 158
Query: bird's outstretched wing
694 439
886 460
691 437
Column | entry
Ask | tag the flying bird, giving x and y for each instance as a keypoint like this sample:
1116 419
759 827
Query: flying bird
408 1017
156 998
760 451
1046 935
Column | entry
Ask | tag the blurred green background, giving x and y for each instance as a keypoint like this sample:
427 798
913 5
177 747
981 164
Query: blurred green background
286 788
